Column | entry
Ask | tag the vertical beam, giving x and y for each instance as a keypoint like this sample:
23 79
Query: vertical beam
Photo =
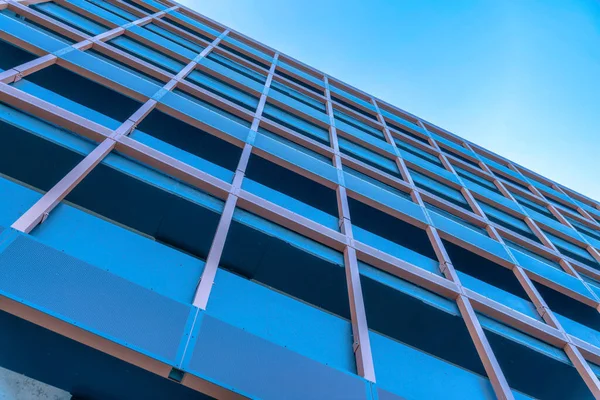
206 282
358 316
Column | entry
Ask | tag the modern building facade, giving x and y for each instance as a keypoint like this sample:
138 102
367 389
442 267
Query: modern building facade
186 213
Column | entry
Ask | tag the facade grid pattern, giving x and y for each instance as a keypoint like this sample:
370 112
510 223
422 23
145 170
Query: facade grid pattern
508 246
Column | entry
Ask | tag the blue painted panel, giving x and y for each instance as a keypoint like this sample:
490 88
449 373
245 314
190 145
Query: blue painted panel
351 125
79 369
349 173
229 68
96 300
403 121
30 34
15 199
575 328
282 320
299 96
553 224
261 369
132 256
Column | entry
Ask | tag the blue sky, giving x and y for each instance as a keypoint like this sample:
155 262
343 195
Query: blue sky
519 77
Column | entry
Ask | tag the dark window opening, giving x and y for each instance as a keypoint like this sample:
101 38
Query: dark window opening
13 56
135 203
85 92
31 159
124 66
224 89
292 184
270 254
391 228
191 139
244 56
407 133
415 322
353 107
236 67
569 307
188 30
299 82
212 107
139 7
483 269
456 218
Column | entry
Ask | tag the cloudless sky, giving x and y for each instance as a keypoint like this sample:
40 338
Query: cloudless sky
518 77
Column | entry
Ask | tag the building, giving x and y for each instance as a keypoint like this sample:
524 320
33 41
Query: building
186 213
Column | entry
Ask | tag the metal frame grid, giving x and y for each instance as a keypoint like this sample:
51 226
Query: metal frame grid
451 151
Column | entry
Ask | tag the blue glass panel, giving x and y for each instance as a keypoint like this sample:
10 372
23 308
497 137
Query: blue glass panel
113 9
70 18
99 11
224 89
294 145
296 123
298 105
161 41
301 73
147 54
374 159
224 67
29 34
174 37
